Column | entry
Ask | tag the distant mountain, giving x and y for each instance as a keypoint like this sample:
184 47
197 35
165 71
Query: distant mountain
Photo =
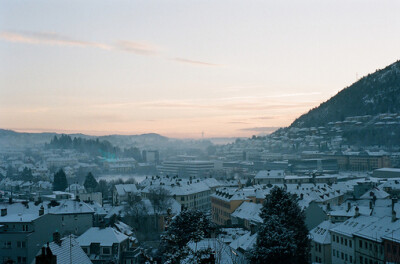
374 94
10 138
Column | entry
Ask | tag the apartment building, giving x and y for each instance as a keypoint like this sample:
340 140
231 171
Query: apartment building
25 227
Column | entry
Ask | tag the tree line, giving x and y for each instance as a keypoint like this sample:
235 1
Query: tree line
94 147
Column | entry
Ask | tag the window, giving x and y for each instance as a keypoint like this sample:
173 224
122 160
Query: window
361 259
106 251
351 259
341 240
7 244
21 260
345 242
334 252
21 244
350 243
85 250
360 243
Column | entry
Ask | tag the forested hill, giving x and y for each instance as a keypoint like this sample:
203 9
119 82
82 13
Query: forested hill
376 93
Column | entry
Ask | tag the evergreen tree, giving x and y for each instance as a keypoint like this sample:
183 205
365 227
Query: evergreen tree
90 182
26 175
60 181
283 221
189 225
275 243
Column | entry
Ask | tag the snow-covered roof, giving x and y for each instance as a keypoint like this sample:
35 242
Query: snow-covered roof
244 242
106 237
321 234
123 189
224 254
249 211
68 251
354 224
378 192
181 188
227 235
268 174
376 230
18 212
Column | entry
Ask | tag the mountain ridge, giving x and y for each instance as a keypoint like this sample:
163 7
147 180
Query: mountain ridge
376 93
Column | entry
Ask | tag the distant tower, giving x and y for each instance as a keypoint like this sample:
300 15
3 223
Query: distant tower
202 134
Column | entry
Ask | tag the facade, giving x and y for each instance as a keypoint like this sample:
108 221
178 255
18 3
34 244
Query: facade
189 193
270 177
362 161
369 246
321 243
391 243
122 192
343 242
26 227
187 168
195 195
225 201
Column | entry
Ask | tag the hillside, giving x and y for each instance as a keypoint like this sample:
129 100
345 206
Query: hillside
374 94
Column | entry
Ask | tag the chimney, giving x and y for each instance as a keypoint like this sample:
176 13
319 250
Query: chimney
348 206
3 211
328 206
253 229
394 201
57 238
370 204
41 210
357 212
301 196
394 216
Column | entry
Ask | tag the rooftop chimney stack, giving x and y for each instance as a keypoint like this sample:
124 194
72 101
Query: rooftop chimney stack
3 211
57 238
357 212
41 210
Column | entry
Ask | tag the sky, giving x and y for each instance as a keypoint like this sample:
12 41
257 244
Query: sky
184 68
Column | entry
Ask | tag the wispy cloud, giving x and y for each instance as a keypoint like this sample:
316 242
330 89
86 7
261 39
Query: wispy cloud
140 48
49 39
196 63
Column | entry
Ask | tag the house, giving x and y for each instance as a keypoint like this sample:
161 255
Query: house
342 238
391 243
104 245
122 192
369 244
321 243
66 250
189 193
25 227
247 215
